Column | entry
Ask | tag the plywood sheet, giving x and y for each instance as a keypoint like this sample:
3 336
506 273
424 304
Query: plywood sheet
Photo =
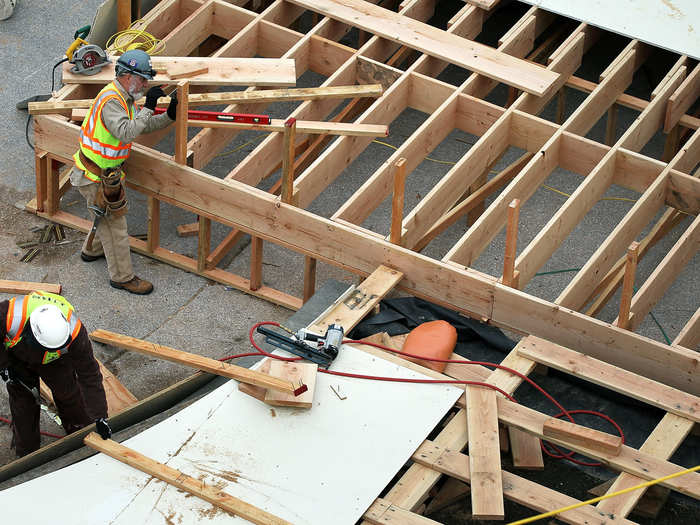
670 24
324 465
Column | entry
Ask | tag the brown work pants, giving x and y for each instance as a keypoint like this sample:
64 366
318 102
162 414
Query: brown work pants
111 239
60 377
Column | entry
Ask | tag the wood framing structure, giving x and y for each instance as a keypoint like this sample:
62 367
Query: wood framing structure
564 333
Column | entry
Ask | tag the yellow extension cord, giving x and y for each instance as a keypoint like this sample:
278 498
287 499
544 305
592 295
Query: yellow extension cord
601 498
133 38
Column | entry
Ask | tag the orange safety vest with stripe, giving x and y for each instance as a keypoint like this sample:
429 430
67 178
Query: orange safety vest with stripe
19 310
96 141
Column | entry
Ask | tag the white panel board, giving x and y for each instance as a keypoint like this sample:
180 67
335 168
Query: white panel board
669 24
324 465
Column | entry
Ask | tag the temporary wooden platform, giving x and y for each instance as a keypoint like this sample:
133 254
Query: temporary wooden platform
564 333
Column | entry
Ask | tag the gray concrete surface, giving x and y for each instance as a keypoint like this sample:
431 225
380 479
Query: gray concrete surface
194 314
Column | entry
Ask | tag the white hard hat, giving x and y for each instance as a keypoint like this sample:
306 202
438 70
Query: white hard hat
6 8
49 326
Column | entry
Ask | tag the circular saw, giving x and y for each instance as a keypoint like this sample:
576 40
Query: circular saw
87 59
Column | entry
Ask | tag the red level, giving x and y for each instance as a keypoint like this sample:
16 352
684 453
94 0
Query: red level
246 118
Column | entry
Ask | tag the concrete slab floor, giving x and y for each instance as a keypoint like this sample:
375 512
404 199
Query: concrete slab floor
191 313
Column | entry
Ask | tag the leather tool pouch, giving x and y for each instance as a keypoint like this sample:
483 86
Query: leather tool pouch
111 195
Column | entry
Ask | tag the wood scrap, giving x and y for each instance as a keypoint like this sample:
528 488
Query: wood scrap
180 71
295 372
26 287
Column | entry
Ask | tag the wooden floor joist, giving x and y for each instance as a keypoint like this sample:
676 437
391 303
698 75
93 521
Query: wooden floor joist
409 70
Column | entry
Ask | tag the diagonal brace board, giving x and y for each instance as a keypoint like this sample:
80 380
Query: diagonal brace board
196 361
435 42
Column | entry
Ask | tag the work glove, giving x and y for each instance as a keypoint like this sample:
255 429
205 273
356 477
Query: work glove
172 107
103 428
152 96
5 375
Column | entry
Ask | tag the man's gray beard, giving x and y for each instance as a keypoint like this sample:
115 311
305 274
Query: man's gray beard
136 95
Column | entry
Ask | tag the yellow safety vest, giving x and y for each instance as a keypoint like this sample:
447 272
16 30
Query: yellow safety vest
19 310
96 142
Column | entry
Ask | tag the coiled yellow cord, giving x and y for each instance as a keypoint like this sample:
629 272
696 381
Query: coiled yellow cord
135 38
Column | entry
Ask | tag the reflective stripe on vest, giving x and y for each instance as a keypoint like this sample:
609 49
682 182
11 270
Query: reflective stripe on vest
19 310
96 141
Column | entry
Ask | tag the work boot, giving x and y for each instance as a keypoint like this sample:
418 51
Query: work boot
89 258
135 285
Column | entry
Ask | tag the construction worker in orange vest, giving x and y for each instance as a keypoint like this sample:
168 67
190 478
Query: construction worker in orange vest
106 135
43 338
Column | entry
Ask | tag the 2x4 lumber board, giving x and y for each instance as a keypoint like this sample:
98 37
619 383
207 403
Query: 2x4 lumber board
587 437
684 97
683 193
681 62
372 290
484 453
437 43
182 481
612 377
523 491
484 4
629 460
382 512
465 290
198 362
689 336
666 437
303 127
222 72
304 373
593 187
665 274
25 287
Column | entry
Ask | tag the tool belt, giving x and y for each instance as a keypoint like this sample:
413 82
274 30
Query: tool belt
111 195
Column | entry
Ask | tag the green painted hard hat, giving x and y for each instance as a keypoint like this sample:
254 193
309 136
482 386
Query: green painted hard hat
137 62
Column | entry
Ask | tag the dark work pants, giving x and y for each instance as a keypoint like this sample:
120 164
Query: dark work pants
60 377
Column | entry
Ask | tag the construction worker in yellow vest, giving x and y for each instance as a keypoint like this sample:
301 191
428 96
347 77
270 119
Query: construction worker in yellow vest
109 128
43 338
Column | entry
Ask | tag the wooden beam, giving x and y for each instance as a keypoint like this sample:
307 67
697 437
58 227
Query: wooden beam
222 72
153 239
397 200
382 512
182 481
484 453
682 99
689 336
256 262
612 377
233 97
437 43
203 243
586 437
26 287
196 361
309 278
183 90
303 126
509 276
628 285
288 150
